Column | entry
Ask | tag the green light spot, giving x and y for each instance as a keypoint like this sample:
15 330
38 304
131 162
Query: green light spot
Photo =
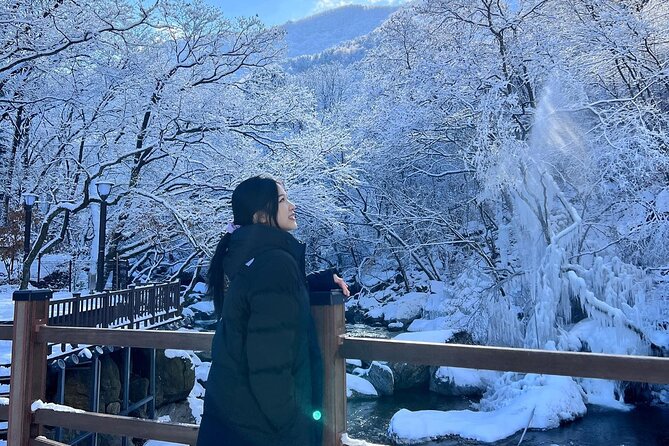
317 415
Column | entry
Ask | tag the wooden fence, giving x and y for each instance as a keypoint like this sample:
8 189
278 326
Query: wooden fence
31 335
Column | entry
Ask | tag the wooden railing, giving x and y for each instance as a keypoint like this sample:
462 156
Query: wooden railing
136 307
31 335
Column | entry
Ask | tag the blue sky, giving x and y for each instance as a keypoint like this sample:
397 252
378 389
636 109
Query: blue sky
276 12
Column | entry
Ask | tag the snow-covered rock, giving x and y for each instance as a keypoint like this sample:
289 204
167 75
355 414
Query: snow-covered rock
395 326
405 309
357 387
202 314
381 377
540 401
409 376
461 381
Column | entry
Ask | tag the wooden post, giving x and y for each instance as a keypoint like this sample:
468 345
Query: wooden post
28 378
327 310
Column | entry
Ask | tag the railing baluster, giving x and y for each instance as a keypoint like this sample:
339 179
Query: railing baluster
131 305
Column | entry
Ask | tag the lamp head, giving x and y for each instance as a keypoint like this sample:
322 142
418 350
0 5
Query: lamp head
104 188
29 199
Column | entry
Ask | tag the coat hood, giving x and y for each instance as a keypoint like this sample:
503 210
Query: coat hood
250 241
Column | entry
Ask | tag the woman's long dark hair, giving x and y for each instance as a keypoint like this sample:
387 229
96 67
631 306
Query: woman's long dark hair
257 194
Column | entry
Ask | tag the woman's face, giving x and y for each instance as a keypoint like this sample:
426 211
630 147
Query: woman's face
285 217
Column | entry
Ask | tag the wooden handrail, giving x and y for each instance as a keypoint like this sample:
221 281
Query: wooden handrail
6 331
165 339
589 365
43 441
118 425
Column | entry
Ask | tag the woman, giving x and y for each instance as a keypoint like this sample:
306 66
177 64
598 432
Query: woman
265 383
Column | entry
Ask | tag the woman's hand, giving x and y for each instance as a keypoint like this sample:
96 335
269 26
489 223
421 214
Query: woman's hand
341 284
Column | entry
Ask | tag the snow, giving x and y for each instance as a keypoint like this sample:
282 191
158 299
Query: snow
187 312
200 288
409 307
438 336
348 441
161 443
359 385
462 377
605 339
39 404
540 401
174 353
662 201
205 306
196 401
202 371
603 392
439 323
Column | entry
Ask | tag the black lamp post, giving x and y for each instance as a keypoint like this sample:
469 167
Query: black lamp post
28 202
104 189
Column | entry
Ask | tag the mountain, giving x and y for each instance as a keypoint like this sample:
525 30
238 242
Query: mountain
315 34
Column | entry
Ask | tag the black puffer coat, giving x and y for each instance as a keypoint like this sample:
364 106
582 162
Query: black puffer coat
266 374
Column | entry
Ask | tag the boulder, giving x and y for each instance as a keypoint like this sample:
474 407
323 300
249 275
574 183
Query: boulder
139 389
354 314
175 378
180 412
452 381
381 377
110 381
113 408
410 376
78 388
359 388
395 326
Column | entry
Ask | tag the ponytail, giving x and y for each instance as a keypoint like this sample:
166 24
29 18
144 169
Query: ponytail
216 280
